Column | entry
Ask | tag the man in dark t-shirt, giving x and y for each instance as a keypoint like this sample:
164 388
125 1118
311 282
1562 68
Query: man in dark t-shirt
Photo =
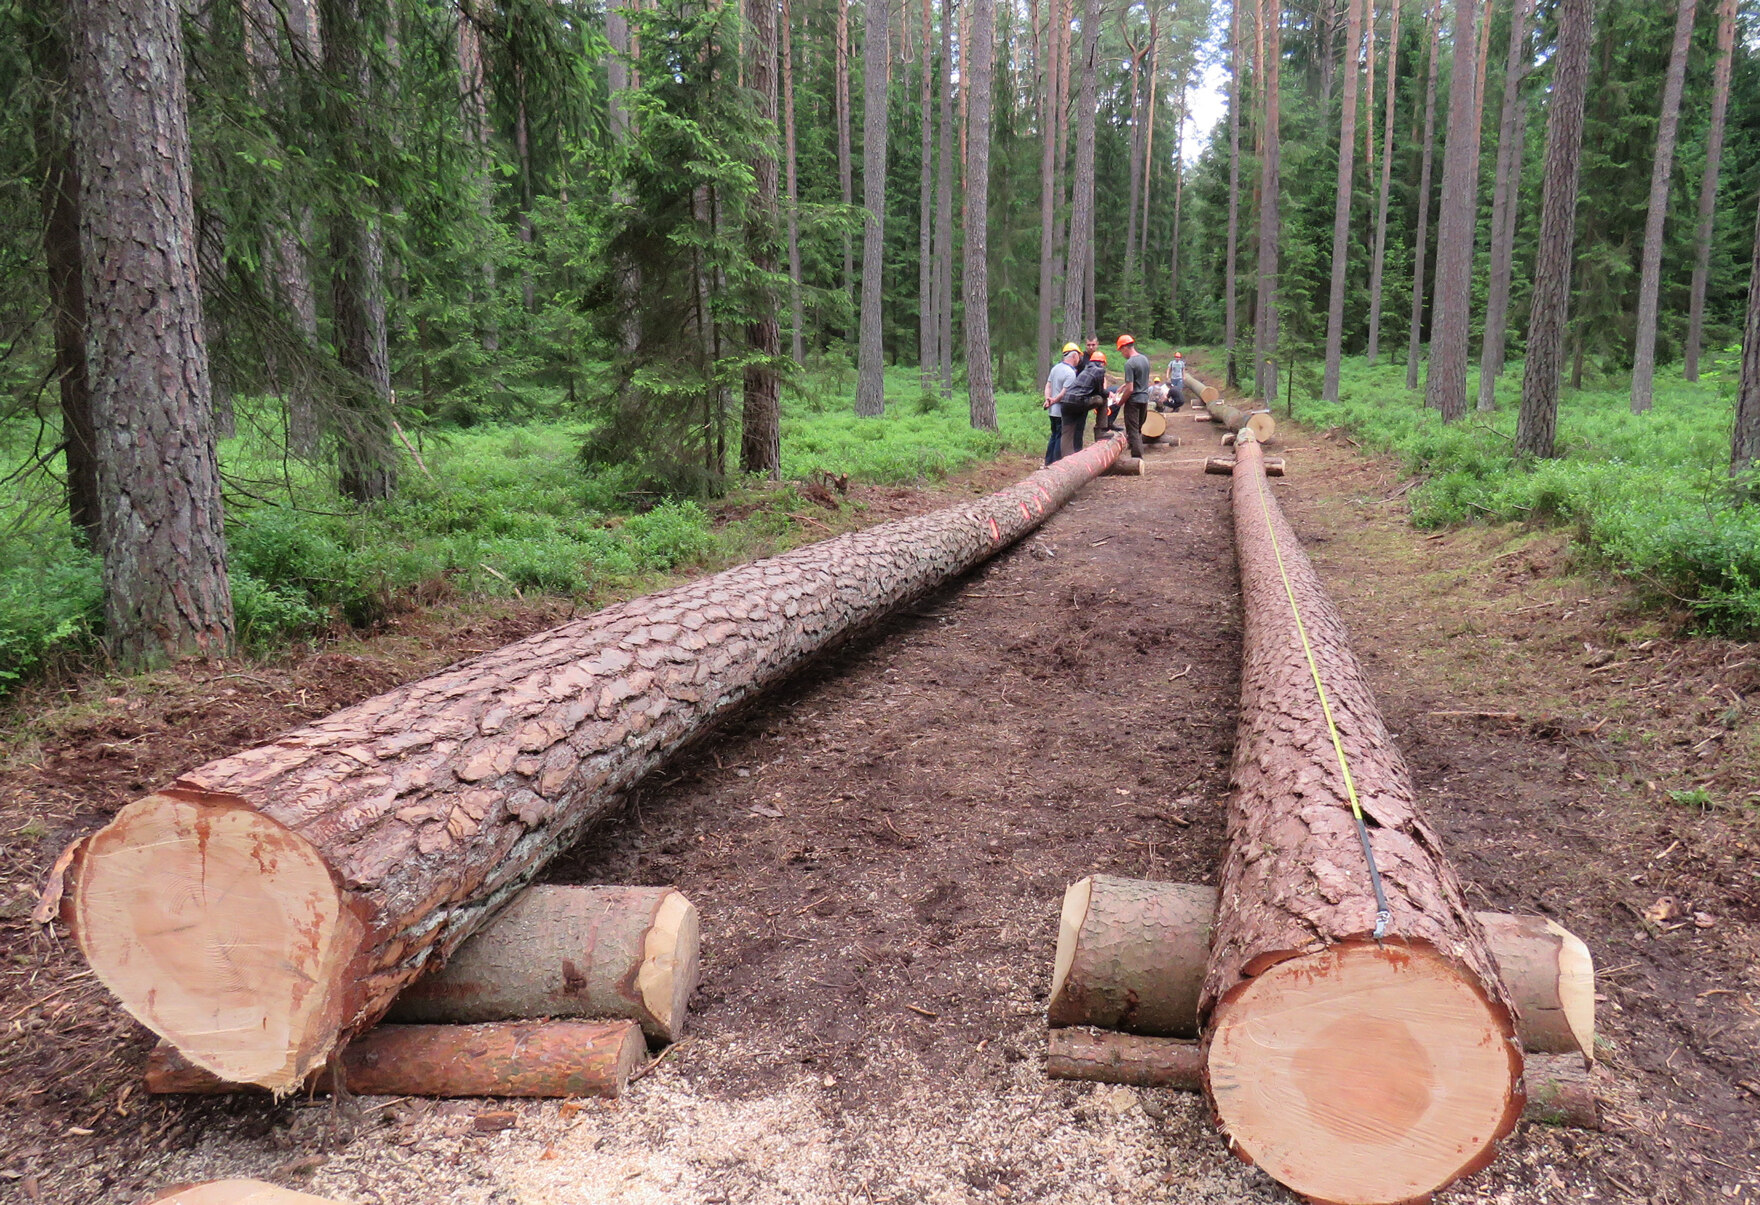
1134 393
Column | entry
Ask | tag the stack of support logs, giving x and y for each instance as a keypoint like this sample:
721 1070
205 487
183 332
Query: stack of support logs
265 908
1131 958
1354 1064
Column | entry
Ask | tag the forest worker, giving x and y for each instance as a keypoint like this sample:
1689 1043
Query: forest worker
1088 392
1176 380
1133 395
1063 375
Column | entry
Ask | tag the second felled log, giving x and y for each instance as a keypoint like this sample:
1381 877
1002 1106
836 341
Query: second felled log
264 908
533 1059
1131 955
602 952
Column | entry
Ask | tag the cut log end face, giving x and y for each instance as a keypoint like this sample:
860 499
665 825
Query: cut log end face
220 929
1365 1074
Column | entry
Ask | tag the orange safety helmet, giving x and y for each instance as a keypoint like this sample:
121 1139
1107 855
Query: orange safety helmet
1125 341
1099 357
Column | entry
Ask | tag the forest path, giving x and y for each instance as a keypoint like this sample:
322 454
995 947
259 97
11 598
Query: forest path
889 838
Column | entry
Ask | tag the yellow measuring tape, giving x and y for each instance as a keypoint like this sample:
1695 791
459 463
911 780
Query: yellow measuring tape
1383 914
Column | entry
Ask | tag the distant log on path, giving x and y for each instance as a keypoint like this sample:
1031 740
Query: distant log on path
264 908
1352 1065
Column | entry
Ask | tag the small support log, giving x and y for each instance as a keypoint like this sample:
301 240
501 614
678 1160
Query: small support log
236 1192
1559 1088
1131 955
1354 1070
264 908
1274 467
1219 466
1126 466
537 1058
602 952
1228 439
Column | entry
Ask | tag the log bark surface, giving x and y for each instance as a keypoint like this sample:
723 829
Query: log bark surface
1299 1000
402 824
604 952
1231 416
528 1059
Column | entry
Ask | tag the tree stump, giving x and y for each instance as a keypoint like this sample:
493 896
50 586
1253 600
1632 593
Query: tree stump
264 908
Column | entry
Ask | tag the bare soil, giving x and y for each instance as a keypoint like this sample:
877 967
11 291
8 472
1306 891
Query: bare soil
879 852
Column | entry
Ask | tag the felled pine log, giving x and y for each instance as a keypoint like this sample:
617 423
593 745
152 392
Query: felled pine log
1126 466
601 952
236 1192
514 1058
1559 1088
1131 956
1234 418
1353 1065
1197 391
264 908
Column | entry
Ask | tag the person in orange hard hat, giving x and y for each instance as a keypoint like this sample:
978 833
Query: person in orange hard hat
1133 395
1088 392
1176 380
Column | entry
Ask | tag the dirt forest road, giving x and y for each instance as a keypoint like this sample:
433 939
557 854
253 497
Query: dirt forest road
879 852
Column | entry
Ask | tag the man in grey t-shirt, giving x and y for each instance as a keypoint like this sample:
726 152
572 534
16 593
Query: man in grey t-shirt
1134 393
1176 379
1063 375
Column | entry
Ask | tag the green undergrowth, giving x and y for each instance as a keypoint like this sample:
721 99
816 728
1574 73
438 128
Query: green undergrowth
1647 495
499 510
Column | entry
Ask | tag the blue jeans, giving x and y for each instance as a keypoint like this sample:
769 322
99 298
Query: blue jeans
1054 449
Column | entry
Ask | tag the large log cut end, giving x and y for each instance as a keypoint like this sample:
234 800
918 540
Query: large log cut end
1364 1073
219 929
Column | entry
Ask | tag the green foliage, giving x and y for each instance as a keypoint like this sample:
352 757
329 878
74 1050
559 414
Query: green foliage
51 604
1648 495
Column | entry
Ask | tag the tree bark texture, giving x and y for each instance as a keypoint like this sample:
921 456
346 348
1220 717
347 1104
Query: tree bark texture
1148 190
521 1059
845 171
944 210
1512 130
357 849
1421 240
980 386
1745 441
1538 419
760 436
366 461
927 324
1433 1026
1560 1091
1232 375
1265 319
797 321
1056 30
1341 209
67 302
1726 40
160 536
870 360
1081 217
1446 382
1378 262
1661 169
608 953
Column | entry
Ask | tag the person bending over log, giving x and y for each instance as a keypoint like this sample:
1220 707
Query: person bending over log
1088 393
1133 395
1062 378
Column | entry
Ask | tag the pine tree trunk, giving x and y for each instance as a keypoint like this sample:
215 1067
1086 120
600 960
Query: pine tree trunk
797 321
1341 207
1420 242
1134 147
1726 39
1538 419
1379 260
928 322
979 384
67 302
1265 320
366 462
1661 169
944 211
760 440
1745 443
1149 133
1081 217
1179 188
845 174
870 366
473 101
1512 131
1229 288
1446 383
326 870
161 538
1056 31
